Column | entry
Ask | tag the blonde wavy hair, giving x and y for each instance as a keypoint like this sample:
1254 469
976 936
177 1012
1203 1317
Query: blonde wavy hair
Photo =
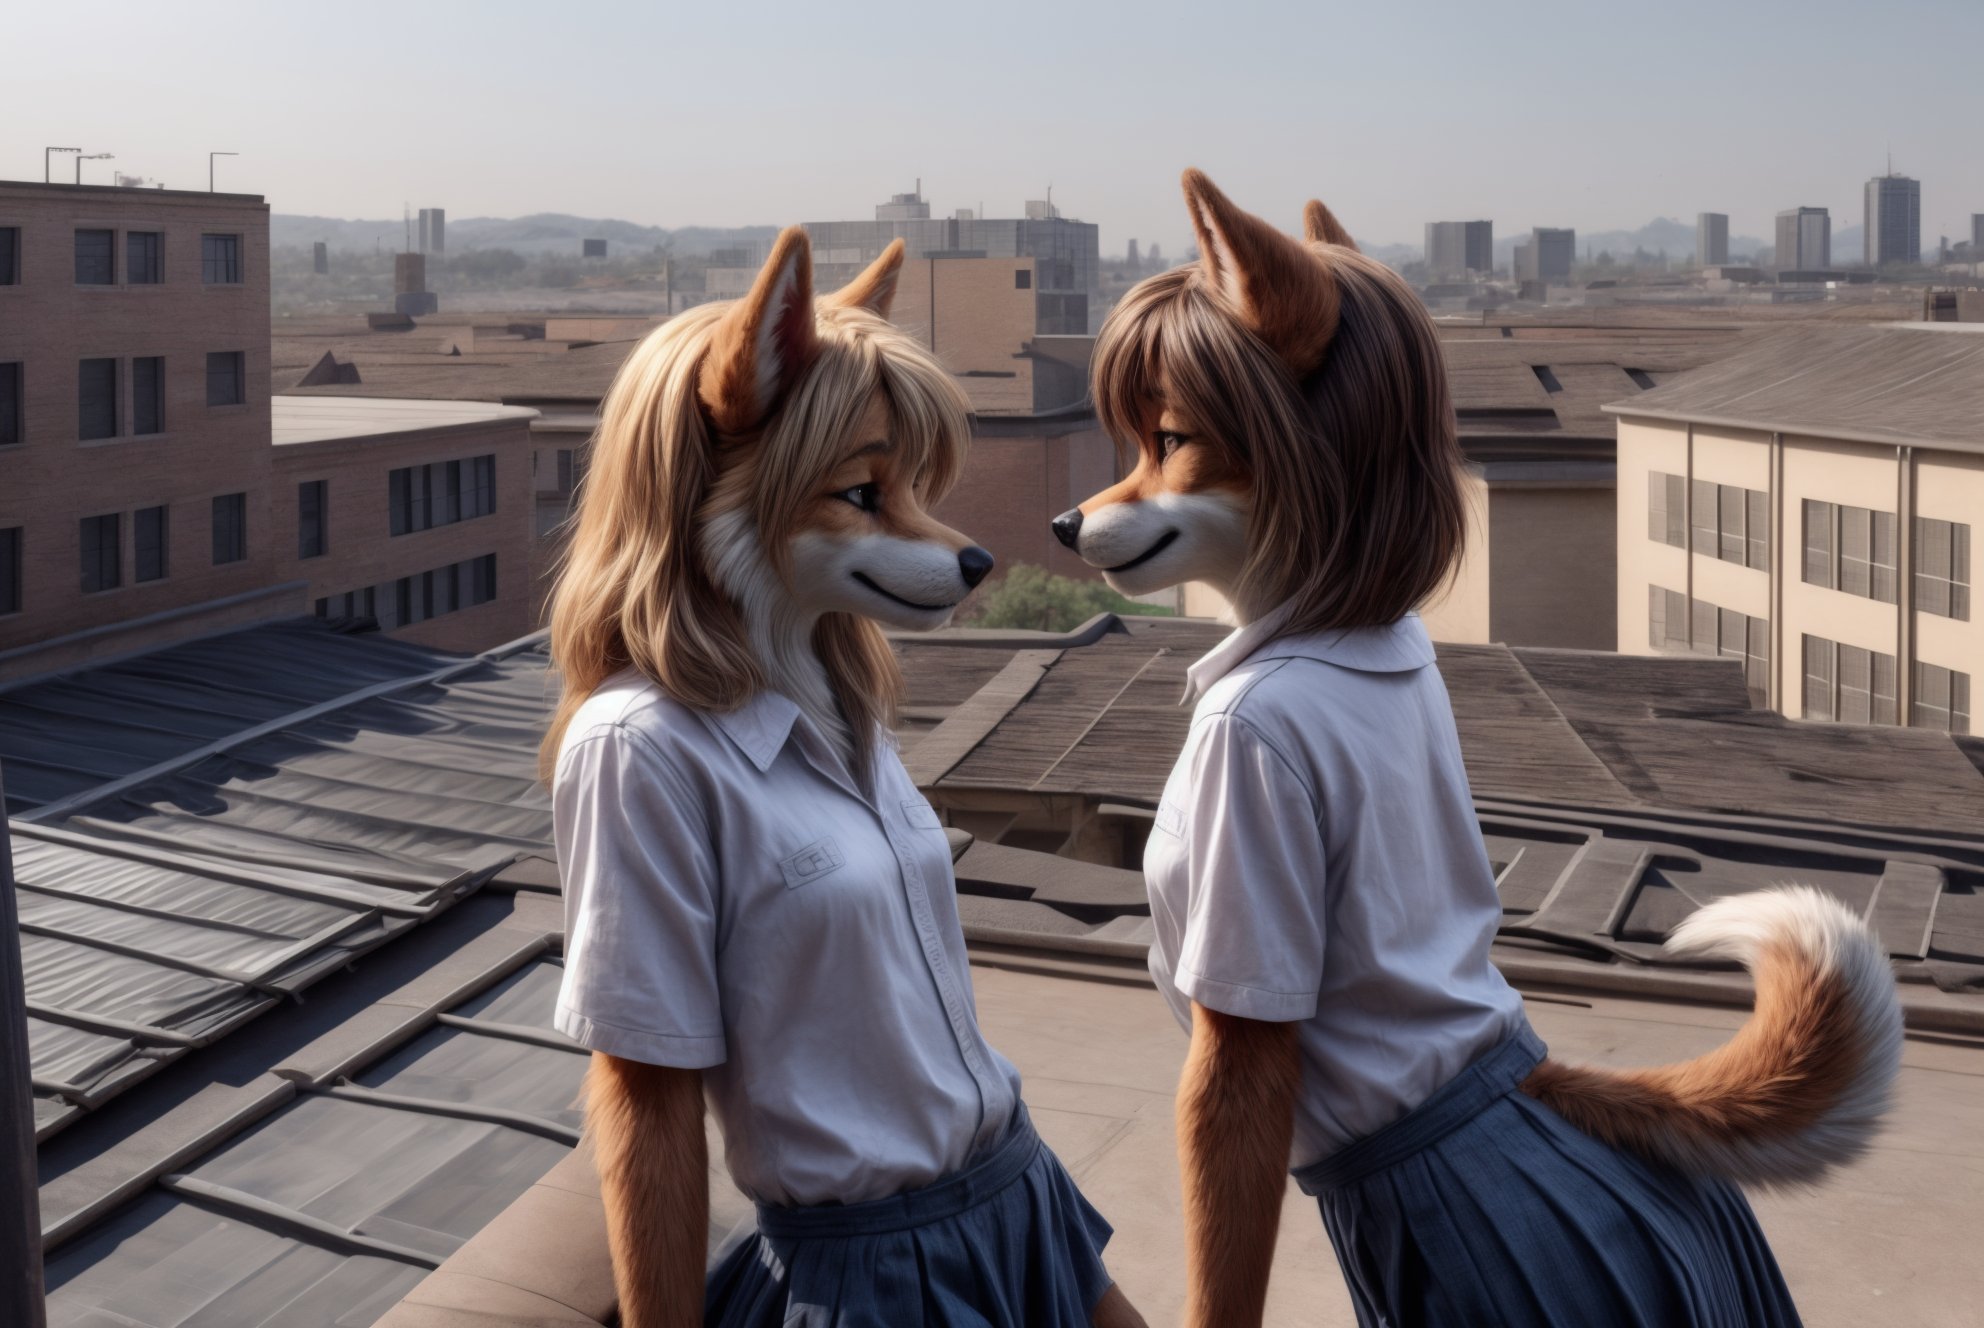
633 587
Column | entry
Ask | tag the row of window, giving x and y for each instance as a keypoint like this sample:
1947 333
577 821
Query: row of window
1853 550
1849 549
416 598
1855 686
1709 630
144 258
1728 522
100 540
100 397
441 493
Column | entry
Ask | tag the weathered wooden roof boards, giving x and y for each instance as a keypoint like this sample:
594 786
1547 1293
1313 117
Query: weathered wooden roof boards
1616 793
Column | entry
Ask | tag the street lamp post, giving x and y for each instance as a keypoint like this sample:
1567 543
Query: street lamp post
94 156
45 154
210 166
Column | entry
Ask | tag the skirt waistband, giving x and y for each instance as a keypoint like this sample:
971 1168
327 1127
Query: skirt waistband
943 1198
1459 1100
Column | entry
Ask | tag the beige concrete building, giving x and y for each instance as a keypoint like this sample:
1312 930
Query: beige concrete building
1808 506
415 513
134 420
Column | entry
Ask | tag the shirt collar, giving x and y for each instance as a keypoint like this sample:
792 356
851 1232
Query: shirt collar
760 726
1396 648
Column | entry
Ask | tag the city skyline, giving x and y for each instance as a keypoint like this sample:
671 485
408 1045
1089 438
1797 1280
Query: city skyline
689 121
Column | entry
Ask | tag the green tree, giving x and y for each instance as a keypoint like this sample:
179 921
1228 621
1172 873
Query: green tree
1035 599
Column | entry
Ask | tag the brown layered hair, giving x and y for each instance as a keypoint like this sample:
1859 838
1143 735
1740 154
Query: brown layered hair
1317 373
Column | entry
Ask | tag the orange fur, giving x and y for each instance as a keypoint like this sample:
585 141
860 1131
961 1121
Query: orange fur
875 289
1282 291
1784 1069
1236 1120
646 1125
778 311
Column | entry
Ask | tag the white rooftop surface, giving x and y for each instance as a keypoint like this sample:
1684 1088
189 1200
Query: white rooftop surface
315 419
1892 1240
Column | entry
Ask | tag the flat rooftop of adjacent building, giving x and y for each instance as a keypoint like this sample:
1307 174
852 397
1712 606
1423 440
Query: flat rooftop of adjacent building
326 419
127 191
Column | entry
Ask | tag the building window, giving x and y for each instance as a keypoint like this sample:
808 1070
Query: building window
1022 279
312 507
96 258
1667 619
10 404
151 541
1942 559
225 378
148 394
1941 698
10 570
440 493
10 255
1729 522
230 528
1848 684
1708 630
144 258
424 595
96 399
102 568
220 260
1851 549
1819 569
1667 509
1757 530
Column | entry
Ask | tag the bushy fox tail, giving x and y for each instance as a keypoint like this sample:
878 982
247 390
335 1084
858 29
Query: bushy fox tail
1801 1087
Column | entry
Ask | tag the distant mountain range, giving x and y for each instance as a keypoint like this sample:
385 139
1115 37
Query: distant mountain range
539 234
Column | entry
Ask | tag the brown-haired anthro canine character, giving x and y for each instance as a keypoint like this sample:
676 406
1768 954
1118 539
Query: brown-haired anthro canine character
1322 903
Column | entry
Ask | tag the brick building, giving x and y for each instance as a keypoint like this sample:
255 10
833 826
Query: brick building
151 487
415 513
134 419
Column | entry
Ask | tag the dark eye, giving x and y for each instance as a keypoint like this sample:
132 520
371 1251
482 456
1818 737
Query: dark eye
1167 443
867 497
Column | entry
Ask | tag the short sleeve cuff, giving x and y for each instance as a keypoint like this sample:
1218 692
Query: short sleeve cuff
1272 1007
633 1044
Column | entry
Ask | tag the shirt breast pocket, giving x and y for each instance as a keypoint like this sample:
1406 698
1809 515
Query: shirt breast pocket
921 814
1170 819
818 859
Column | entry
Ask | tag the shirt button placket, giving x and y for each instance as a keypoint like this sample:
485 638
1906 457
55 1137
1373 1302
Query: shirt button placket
933 950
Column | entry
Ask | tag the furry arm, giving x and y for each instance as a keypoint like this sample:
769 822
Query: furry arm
1236 1117
646 1123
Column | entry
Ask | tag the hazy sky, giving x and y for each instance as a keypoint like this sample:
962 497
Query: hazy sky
721 113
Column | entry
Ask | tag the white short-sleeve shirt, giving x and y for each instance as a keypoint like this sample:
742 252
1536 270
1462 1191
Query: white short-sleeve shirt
737 902
1316 860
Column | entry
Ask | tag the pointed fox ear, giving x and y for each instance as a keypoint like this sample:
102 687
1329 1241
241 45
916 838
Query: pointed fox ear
1320 226
875 289
1280 289
759 348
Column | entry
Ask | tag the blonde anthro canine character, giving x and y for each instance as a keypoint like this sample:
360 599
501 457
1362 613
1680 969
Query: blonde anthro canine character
760 904
1322 902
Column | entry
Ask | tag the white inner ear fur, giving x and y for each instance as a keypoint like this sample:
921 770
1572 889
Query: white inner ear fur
1210 542
1225 270
766 358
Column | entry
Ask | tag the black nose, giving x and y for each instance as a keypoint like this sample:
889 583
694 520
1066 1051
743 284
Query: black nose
973 564
1068 527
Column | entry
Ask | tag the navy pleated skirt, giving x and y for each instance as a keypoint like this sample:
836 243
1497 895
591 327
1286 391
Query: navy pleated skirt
1008 1242
1483 1206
